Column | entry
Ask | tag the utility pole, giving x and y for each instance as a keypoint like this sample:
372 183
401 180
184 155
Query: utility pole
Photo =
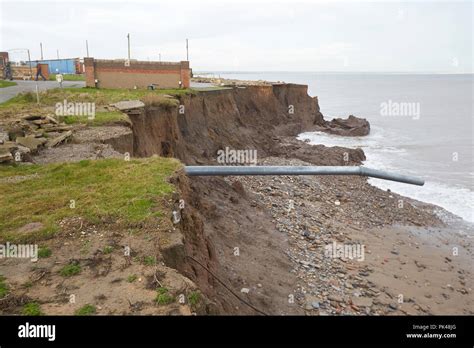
29 61
41 47
87 49
57 53
187 51
128 37
159 57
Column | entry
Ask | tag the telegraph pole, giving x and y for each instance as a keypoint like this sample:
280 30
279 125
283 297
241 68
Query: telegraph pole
87 49
41 47
57 53
29 61
128 37
187 51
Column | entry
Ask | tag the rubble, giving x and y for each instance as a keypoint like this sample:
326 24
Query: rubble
303 209
55 141
29 134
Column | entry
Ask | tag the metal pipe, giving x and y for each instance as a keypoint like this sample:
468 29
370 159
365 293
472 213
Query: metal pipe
300 170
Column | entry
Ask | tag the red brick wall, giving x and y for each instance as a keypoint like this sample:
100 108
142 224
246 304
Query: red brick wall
185 74
4 56
115 74
44 70
90 72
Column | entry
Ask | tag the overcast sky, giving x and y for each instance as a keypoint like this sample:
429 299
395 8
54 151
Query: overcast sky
422 36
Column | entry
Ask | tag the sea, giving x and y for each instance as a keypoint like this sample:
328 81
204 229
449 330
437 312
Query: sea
421 125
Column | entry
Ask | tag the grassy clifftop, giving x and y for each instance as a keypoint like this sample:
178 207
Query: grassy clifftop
35 198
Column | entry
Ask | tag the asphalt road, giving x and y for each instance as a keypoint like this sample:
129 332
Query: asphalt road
30 86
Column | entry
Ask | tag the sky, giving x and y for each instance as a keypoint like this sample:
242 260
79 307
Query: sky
250 35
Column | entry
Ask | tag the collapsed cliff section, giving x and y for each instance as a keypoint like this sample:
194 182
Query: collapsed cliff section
241 118
230 246
263 118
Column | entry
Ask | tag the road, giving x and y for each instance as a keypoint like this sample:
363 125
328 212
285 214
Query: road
30 86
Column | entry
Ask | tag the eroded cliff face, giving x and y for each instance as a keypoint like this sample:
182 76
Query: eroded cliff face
237 118
220 217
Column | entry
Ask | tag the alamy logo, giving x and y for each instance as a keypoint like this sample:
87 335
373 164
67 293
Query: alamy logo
407 109
21 251
237 157
345 251
75 109
37 331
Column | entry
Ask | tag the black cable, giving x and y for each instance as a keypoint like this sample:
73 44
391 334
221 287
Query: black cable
225 286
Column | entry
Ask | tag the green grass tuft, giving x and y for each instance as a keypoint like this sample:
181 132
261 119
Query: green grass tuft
3 287
88 309
44 252
163 297
70 270
31 308
194 298
131 278
108 249
149 260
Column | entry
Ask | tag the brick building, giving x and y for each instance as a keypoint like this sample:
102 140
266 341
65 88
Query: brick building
103 73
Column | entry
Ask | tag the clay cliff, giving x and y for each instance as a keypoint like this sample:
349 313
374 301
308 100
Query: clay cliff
265 118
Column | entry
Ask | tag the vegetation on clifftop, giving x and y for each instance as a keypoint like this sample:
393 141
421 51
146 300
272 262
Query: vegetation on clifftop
125 191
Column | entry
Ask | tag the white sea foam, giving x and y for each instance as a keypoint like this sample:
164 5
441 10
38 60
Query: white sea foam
454 198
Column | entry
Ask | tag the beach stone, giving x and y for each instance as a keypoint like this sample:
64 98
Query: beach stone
335 298
362 301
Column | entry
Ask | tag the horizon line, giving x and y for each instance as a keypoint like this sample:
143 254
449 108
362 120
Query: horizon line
332 72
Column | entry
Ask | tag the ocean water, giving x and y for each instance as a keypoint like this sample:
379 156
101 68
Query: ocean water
421 124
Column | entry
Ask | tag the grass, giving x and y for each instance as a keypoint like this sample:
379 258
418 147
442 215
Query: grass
25 103
3 287
88 309
100 96
163 297
31 308
70 270
108 249
68 77
194 298
131 278
111 189
44 252
27 285
4 83
209 89
149 260
21 99
100 119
